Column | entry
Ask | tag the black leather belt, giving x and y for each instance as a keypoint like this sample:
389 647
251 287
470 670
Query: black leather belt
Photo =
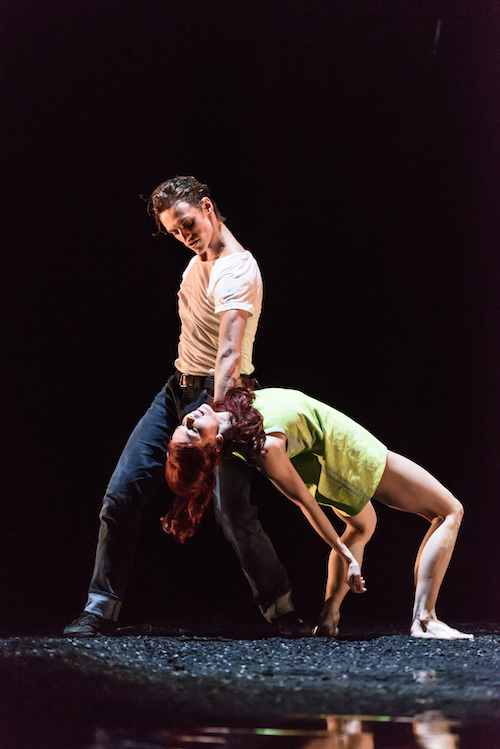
200 382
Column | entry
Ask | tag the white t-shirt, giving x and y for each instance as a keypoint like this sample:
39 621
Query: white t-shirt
207 289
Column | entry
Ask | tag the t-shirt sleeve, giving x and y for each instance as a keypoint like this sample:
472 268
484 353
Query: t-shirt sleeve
236 285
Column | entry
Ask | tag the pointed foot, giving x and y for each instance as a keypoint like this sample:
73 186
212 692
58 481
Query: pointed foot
436 630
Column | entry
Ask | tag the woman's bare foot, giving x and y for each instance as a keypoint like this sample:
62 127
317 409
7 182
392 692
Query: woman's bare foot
328 625
433 629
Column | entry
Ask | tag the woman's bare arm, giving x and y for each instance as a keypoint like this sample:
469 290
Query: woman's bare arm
276 465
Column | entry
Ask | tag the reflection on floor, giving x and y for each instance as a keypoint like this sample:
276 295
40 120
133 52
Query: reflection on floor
171 690
427 730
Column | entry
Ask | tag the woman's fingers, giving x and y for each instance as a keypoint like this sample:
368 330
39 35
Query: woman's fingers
357 584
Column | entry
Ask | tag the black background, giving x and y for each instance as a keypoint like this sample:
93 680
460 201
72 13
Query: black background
353 147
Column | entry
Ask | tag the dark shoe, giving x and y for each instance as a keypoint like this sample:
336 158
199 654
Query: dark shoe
89 625
289 625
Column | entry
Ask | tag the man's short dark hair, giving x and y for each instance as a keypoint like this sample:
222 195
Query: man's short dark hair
177 190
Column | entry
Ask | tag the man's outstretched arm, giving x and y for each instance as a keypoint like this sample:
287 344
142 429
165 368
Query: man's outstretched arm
227 365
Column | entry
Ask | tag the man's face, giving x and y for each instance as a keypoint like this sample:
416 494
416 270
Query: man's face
191 225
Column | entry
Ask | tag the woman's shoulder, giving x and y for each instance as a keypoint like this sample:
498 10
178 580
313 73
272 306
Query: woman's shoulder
280 395
280 406
279 390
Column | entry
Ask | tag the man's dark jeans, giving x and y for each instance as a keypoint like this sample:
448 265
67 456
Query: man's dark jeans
137 476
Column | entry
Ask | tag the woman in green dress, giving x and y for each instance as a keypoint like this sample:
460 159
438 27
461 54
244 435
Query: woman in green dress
316 455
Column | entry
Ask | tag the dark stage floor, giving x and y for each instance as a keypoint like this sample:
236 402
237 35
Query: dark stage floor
65 692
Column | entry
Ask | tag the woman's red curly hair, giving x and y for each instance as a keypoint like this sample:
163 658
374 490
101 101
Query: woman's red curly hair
190 469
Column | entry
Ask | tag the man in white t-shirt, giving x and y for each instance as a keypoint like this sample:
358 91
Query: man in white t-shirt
220 299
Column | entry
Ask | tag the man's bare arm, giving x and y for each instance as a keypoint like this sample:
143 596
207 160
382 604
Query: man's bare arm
227 365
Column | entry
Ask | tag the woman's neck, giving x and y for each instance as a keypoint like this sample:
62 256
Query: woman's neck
224 421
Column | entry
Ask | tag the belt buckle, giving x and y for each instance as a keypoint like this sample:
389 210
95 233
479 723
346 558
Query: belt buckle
184 381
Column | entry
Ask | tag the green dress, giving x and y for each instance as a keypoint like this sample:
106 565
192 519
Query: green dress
340 462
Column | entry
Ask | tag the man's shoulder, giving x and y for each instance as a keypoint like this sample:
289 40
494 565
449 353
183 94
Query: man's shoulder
236 263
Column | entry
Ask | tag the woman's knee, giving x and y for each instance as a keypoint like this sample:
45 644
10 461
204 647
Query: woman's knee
367 529
452 512
457 511
363 525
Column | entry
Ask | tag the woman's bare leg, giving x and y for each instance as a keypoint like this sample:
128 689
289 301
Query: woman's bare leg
408 487
359 530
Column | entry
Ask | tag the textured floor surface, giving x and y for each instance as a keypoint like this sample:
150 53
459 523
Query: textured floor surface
172 677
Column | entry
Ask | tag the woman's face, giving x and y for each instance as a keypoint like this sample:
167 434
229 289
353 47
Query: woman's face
199 427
